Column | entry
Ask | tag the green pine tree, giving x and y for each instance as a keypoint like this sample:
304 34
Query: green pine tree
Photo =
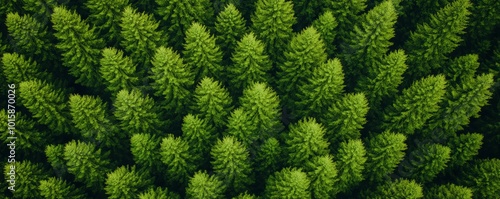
462 68
29 36
398 189
326 24
323 174
250 63
245 195
55 157
41 9
18 68
136 112
350 160
430 44
56 188
199 135
158 192
305 52
425 162
171 79
345 118
449 191
347 13
269 157
126 183
47 104
106 16
231 164
204 186
201 53
144 148
179 15
212 102
322 88
175 154
305 141
415 105
272 22
117 70
79 45
27 178
289 183
307 10
483 177
87 163
230 27
464 148
33 140
240 126
384 152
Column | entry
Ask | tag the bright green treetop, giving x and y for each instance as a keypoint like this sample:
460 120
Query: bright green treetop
27 178
350 159
118 70
136 112
204 186
384 152
30 36
461 69
449 191
326 24
212 102
126 183
305 141
398 189
464 148
269 157
291 183
347 13
175 154
323 174
18 68
145 150
425 162
87 163
199 134
230 26
158 192
33 139
55 188
106 15
240 126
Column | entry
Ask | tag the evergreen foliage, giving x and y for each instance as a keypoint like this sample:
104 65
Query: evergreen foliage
350 159
117 70
87 163
483 177
212 102
25 132
347 13
144 148
290 183
55 157
106 16
126 183
136 112
464 148
175 155
41 9
326 24
449 191
269 157
399 189
462 68
424 163
153 193
199 134
305 141
18 68
323 174
384 153
29 36
230 27
242 128
204 186
28 177
55 188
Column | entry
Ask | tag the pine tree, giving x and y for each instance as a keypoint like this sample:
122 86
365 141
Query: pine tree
87 163
91 118
431 42
323 174
144 148
269 157
199 135
231 164
345 118
204 186
462 68
384 153
398 189
230 27
347 13
179 162
117 70
55 157
56 188
326 24
250 63
350 160
27 178
305 141
272 22
171 79
240 126
29 36
245 195
212 102
158 192
179 15
18 68
141 37
262 105
483 177
324 87
41 9
464 147
79 45
383 79
415 105
370 40
106 16
449 191
46 104
126 183
289 183
305 52
425 162
201 52
136 113
307 10
25 132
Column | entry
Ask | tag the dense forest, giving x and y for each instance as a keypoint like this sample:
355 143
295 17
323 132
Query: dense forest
202 99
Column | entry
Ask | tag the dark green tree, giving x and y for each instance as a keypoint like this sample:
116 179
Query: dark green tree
240 126
425 162
106 16
27 178
326 24
136 112
212 102
158 192
41 9
145 150
245 195
80 46
33 140
199 134
180 164
464 147
204 186
201 53
323 174
55 188
483 177
47 104
269 157
231 164
305 141
289 183
250 63
324 87
431 43
55 157
461 69
347 13
350 160
179 15
117 70
126 183
230 27
384 152
87 163
29 36
449 191
415 105
171 79
305 52
307 11
398 189
18 68
272 23
345 118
